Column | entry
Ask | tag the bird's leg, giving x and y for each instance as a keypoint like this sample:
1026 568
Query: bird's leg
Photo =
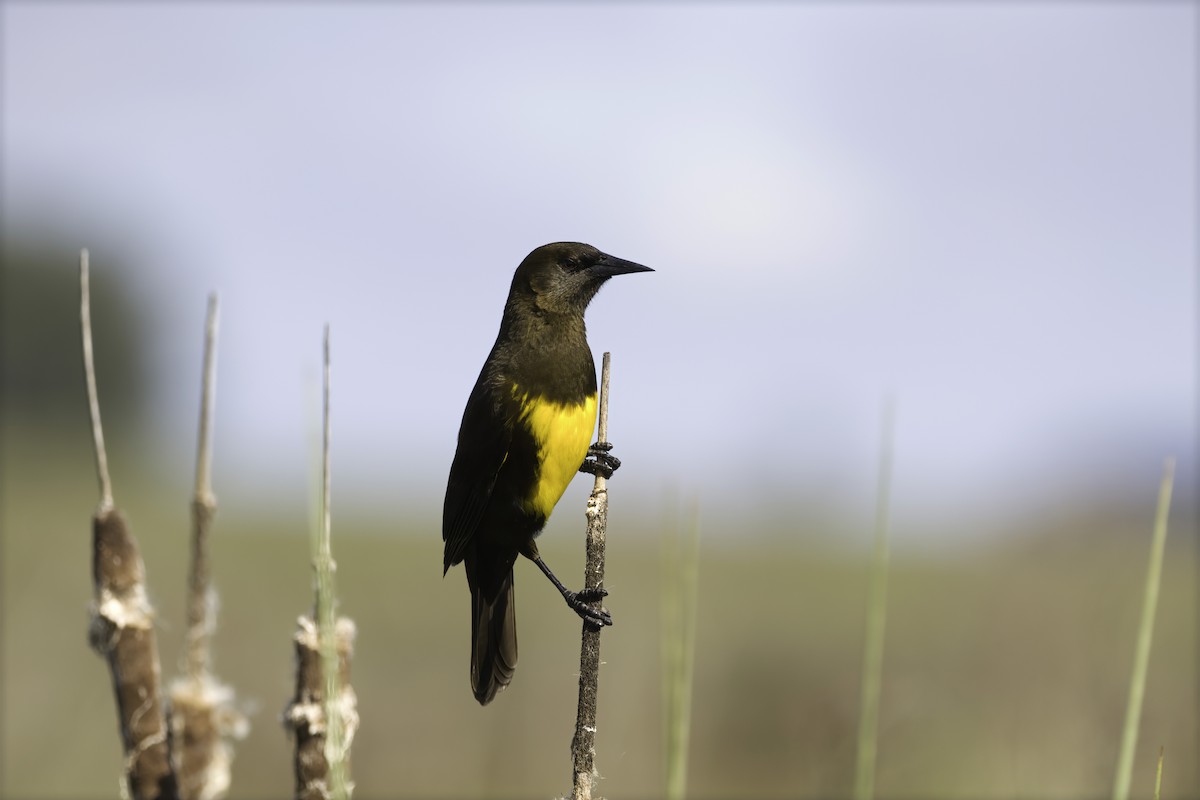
578 601
600 461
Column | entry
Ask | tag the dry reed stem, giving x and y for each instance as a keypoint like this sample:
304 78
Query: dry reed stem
583 744
204 719
201 601
89 374
122 619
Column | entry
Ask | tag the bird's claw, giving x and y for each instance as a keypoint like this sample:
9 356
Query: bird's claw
578 601
600 461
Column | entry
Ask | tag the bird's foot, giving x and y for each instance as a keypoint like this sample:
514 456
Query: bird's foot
600 461
579 603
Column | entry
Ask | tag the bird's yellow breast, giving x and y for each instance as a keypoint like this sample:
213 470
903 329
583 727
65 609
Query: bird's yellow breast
563 432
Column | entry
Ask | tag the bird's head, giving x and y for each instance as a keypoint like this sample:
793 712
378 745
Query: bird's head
562 278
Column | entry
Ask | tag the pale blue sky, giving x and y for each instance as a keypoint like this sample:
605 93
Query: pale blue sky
986 209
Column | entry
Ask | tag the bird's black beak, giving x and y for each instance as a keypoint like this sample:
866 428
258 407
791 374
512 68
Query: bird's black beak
608 266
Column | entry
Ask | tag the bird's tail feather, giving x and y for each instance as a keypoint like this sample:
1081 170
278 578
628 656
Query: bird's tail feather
493 637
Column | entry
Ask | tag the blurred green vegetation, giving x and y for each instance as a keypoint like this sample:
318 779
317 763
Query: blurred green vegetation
1005 671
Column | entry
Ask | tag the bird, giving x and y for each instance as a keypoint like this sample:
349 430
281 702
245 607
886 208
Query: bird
525 433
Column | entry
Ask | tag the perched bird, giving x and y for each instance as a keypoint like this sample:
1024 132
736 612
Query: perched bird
524 435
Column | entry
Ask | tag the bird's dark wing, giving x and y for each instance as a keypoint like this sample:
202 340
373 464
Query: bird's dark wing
483 442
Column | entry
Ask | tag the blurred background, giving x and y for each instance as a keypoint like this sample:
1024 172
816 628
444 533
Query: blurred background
986 211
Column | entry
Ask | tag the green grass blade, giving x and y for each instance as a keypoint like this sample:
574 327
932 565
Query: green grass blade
669 613
872 674
1141 658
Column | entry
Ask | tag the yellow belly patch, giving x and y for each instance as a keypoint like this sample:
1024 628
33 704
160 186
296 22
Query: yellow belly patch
563 432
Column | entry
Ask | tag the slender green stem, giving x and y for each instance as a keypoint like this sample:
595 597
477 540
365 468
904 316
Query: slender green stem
872 674
1158 776
1141 658
681 556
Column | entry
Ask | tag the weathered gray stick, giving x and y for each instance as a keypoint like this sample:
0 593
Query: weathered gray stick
122 619
583 745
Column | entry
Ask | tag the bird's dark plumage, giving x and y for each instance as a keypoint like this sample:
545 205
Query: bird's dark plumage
524 434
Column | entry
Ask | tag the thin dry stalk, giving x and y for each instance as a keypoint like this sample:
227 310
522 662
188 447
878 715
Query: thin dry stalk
203 717
200 609
583 744
89 374
323 714
122 619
